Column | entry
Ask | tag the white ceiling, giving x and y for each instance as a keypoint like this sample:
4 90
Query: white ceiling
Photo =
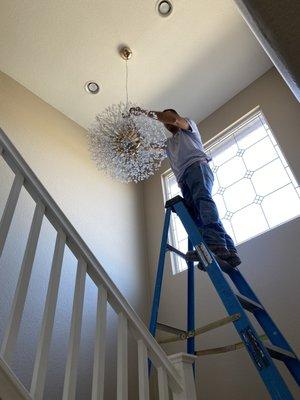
194 60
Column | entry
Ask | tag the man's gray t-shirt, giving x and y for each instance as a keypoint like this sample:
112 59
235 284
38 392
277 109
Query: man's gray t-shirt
184 149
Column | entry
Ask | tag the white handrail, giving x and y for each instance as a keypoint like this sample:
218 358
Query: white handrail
94 268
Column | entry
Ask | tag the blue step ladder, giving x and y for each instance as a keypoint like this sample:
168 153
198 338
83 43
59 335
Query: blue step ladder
262 354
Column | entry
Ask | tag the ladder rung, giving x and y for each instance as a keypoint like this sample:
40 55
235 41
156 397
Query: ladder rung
170 329
249 304
278 352
176 251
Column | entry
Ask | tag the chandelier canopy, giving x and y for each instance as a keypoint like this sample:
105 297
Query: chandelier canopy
129 147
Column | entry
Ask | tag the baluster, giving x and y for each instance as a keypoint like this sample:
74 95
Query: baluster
99 352
122 359
12 330
41 358
143 371
10 209
69 391
163 389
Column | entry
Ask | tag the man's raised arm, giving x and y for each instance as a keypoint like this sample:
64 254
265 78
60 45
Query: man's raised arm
168 117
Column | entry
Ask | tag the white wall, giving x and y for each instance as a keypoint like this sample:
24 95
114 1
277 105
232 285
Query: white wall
108 215
270 262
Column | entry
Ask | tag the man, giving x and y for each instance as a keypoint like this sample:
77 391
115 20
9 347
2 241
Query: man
190 165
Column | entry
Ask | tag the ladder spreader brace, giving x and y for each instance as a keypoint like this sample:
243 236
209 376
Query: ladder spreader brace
236 305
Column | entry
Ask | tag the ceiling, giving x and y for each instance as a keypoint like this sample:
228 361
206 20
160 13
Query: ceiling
194 60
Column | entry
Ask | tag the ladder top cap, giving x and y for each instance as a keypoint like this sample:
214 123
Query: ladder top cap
174 200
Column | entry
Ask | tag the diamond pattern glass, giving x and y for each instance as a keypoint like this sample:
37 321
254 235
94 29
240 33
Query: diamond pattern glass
231 171
259 154
281 205
239 195
272 177
251 217
228 150
249 133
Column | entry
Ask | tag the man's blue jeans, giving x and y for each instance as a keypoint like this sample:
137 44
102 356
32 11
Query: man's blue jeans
196 186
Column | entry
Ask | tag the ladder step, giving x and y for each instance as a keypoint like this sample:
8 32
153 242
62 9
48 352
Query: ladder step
278 352
249 304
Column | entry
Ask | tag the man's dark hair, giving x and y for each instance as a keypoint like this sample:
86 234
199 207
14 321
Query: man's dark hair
171 109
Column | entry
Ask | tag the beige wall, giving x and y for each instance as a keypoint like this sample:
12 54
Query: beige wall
270 261
108 215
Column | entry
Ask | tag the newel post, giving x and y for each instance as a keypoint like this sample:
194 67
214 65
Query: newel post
184 365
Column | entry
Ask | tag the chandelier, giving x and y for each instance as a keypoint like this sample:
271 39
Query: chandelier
128 146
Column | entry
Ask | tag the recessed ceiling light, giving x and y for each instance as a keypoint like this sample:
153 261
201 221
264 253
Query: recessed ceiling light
164 8
92 87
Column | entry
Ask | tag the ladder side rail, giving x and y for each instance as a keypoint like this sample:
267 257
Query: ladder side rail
159 274
190 302
242 285
269 373
81 251
266 322
262 316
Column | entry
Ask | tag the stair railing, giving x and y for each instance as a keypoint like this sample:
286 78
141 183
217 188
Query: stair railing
148 348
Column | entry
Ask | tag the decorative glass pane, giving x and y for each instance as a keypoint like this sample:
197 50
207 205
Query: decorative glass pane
259 154
269 178
231 171
182 265
183 245
227 150
281 205
239 195
173 187
250 133
180 231
248 222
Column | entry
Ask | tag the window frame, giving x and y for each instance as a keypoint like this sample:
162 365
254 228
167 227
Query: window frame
218 139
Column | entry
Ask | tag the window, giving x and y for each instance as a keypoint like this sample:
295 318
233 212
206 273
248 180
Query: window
254 189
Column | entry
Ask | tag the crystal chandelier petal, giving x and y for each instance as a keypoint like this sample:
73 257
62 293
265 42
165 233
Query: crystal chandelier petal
129 148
